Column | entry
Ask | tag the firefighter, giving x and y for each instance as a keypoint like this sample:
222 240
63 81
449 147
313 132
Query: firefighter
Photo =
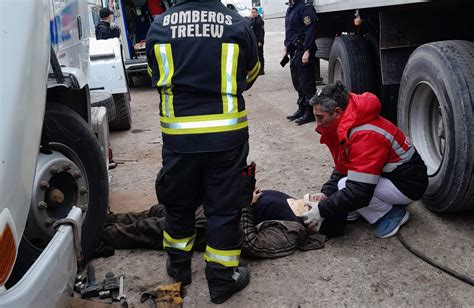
201 57
299 45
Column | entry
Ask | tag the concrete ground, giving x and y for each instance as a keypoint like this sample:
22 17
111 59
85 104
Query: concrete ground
356 270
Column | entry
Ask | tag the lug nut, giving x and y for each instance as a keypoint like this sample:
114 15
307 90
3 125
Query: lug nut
77 174
66 167
55 196
49 222
42 205
83 190
53 170
44 185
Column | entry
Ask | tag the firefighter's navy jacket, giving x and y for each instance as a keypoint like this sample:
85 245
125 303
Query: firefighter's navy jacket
201 57
365 147
300 27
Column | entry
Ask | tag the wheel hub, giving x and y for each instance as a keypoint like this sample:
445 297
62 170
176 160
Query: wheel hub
427 126
58 186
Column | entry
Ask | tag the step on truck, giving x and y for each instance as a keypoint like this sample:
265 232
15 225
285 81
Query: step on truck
53 152
418 57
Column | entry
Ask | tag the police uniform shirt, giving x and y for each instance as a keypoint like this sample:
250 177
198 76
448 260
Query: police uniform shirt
300 23
201 57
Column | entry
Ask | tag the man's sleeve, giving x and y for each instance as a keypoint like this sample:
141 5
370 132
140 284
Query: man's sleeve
309 21
251 57
271 239
330 187
368 155
152 66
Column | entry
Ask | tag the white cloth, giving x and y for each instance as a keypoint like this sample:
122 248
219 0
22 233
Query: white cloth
385 195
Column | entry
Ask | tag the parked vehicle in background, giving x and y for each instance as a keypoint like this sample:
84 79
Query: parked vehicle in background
108 77
418 57
53 152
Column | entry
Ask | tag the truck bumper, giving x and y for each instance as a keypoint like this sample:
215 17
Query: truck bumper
52 273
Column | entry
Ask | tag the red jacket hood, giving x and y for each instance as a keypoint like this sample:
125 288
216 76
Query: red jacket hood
361 109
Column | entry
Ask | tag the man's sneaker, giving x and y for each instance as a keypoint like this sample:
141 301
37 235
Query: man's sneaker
389 224
180 273
353 216
242 278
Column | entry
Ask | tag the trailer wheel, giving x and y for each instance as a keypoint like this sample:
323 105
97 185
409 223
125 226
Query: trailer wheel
350 61
70 172
435 109
105 99
123 119
324 45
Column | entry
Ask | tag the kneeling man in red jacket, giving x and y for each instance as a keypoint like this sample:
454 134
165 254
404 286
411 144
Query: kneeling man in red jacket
377 170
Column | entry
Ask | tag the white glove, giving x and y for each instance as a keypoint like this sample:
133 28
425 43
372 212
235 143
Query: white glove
312 217
308 198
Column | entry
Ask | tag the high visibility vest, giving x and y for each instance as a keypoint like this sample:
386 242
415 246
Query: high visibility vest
201 58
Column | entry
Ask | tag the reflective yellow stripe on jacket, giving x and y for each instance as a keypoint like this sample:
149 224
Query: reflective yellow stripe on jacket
229 120
213 123
164 57
251 75
185 244
229 258
229 61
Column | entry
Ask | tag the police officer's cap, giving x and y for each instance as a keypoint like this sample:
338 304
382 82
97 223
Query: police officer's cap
105 12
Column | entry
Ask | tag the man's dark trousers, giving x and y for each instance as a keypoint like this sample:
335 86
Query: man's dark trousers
303 77
216 180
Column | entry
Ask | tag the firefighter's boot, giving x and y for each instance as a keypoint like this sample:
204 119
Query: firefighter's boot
179 271
225 281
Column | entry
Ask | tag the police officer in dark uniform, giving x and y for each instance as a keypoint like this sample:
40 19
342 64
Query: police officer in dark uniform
202 56
299 45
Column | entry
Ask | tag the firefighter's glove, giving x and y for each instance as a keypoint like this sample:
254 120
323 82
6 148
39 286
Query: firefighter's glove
312 217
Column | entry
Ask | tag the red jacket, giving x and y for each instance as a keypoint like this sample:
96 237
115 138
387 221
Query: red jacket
365 146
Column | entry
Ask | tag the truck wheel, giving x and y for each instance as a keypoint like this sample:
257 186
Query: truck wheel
105 99
435 109
70 172
351 62
123 120
324 45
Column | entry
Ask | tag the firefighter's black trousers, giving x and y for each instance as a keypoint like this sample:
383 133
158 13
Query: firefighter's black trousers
219 182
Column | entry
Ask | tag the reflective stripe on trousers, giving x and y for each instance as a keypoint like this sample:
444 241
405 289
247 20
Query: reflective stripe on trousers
228 258
184 244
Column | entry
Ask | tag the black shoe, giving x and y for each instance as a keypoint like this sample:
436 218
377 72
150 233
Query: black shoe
298 114
180 273
242 278
306 118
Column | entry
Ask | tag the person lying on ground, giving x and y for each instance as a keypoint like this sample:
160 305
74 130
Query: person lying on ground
271 229
377 173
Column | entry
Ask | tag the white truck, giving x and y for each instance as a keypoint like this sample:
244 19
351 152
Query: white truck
418 57
53 152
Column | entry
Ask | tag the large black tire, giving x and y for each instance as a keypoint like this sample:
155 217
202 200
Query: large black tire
123 120
352 62
66 132
435 109
104 99
324 45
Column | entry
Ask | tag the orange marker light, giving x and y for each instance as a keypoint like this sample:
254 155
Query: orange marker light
7 253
